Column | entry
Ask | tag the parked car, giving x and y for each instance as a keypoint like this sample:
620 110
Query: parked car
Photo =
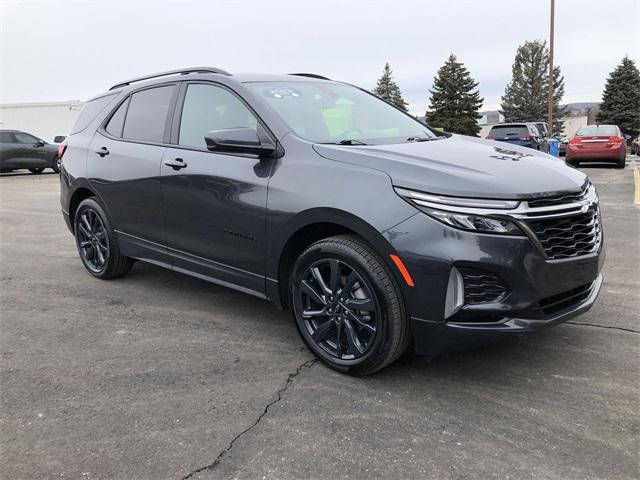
597 143
379 233
562 149
521 134
21 150
542 128
635 146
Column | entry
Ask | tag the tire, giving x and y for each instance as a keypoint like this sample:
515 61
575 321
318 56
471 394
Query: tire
55 166
36 171
572 163
96 242
334 329
621 163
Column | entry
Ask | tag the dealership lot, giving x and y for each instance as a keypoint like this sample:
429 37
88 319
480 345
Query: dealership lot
158 375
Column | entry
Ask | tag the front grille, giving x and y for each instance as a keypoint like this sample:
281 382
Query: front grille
571 236
556 199
481 286
563 301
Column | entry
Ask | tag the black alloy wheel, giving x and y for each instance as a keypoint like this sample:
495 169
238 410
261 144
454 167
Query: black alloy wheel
338 309
92 240
348 306
96 242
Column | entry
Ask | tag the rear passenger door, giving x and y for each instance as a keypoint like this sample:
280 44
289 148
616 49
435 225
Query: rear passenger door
215 202
8 150
124 168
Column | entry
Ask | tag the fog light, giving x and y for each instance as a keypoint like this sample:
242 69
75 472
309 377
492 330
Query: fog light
455 293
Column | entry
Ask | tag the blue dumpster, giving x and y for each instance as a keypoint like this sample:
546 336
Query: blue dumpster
554 147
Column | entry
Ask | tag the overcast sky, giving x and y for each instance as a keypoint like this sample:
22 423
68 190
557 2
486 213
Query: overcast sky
62 50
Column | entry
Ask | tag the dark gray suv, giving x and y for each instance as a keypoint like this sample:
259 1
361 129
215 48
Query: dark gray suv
379 233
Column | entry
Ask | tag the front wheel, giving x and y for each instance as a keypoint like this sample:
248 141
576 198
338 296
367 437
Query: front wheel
36 171
55 166
347 306
97 243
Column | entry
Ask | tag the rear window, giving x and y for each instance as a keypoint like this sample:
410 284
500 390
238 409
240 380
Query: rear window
505 131
90 111
147 114
608 130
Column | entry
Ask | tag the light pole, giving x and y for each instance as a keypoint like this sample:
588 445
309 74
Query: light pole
550 82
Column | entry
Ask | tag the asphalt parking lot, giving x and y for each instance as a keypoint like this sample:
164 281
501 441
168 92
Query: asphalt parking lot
161 376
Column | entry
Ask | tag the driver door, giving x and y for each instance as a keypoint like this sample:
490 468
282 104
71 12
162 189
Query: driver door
30 152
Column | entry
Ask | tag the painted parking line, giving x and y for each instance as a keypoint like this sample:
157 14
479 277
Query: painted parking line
636 179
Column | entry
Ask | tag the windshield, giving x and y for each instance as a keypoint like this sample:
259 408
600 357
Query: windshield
608 130
334 113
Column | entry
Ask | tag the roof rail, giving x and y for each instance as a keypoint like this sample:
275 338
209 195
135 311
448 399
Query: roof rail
310 75
180 71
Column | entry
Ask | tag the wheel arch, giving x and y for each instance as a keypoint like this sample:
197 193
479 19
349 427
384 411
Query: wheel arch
79 194
308 227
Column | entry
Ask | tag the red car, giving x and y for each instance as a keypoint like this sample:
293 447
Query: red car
597 143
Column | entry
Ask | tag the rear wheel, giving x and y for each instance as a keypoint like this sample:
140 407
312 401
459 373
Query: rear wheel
621 163
36 171
97 243
347 306
55 166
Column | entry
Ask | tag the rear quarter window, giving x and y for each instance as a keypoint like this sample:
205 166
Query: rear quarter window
91 110
6 137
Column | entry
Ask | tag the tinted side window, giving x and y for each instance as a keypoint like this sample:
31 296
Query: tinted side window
25 138
114 127
91 111
207 108
6 137
147 114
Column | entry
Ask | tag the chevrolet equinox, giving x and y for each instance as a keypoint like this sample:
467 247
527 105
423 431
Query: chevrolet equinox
378 232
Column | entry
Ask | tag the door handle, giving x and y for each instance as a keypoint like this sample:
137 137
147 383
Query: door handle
176 163
102 151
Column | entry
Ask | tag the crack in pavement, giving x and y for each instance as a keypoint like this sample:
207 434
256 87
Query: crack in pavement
604 326
279 393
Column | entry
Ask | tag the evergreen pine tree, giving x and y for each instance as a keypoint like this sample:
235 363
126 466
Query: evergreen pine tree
621 98
454 102
525 98
388 89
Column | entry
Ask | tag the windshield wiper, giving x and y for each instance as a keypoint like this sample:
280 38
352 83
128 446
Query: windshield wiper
346 141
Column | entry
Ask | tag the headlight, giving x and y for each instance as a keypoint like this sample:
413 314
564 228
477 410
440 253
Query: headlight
474 214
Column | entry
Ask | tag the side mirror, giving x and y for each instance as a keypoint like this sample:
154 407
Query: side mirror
59 138
238 140
39 143
626 136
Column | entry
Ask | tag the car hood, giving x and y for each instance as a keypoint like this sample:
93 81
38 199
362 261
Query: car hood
464 166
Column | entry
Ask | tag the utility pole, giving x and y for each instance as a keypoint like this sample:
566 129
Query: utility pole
550 86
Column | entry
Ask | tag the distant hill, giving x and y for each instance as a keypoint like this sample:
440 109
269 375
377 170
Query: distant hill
580 108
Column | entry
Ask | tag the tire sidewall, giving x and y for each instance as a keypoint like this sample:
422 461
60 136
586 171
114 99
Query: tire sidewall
91 204
327 250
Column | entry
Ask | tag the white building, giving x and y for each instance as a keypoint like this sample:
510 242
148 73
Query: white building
44 120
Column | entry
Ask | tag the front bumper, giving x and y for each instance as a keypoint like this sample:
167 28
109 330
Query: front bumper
430 249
